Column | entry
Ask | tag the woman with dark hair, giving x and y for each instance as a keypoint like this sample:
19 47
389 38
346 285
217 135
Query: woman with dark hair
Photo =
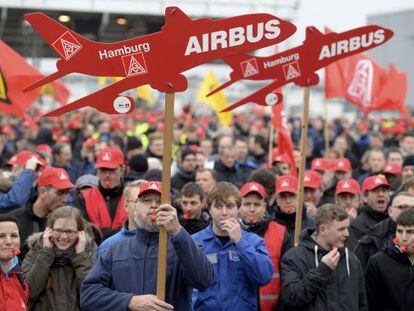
58 261
14 292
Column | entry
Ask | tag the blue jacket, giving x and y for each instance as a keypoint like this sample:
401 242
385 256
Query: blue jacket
129 267
123 234
238 272
19 193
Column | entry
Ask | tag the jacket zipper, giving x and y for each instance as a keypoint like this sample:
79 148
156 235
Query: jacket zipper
145 261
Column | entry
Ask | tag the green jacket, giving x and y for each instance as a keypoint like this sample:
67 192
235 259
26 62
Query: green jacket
55 287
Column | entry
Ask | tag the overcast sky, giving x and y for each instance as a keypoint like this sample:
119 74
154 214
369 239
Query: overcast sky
341 15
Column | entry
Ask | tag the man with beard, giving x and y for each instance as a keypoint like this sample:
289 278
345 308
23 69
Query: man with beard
320 273
256 219
376 196
125 277
193 218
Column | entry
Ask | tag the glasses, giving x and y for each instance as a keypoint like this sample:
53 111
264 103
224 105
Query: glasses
150 199
68 233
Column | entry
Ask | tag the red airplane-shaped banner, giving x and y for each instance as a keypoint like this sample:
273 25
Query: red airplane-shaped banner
157 59
299 64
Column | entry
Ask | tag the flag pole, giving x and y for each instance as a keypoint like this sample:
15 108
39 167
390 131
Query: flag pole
303 150
271 137
165 195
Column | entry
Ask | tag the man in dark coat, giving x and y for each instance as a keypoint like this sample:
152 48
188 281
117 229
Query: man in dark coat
186 169
286 198
320 273
389 273
376 237
125 276
227 169
376 196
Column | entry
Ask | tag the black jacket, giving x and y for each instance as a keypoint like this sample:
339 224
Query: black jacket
181 178
232 175
309 284
111 198
374 240
288 220
194 225
366 219
29 223
390 281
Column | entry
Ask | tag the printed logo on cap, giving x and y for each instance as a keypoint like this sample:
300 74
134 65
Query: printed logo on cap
285 183
378 180
340 164
154 186
253 187
106 156
346 185
307 179
62 176
317 163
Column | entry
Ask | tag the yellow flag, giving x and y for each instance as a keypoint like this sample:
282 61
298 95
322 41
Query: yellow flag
144 92
104 80
217 101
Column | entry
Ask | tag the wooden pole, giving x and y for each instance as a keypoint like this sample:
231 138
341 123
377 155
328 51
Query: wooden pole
326 131
165 195
271 137
303 149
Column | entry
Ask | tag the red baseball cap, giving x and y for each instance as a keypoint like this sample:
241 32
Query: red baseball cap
342 165
148 187
372 182
43 148
347 186
74 124
23 156
312 179
252 187
393 168
90 142
281 157
287 183
110 157
56 177
321 164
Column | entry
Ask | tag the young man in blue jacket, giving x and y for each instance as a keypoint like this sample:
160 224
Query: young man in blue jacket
125 276
240 259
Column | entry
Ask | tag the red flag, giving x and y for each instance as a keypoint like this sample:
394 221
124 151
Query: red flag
284 141
15 74
393 94
363 82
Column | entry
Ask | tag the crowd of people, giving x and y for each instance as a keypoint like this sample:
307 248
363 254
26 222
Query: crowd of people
80 211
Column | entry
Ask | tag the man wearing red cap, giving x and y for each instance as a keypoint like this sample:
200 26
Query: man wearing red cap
324 168
342 169
286 200
53 188
393 173
125 276
313 192
103 205
282 163
348 195
376 196
24 169
376 237
256 219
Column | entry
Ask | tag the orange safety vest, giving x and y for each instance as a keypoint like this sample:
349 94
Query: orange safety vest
269 294
98 212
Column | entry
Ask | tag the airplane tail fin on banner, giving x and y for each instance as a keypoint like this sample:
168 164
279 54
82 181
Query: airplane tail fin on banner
64 41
